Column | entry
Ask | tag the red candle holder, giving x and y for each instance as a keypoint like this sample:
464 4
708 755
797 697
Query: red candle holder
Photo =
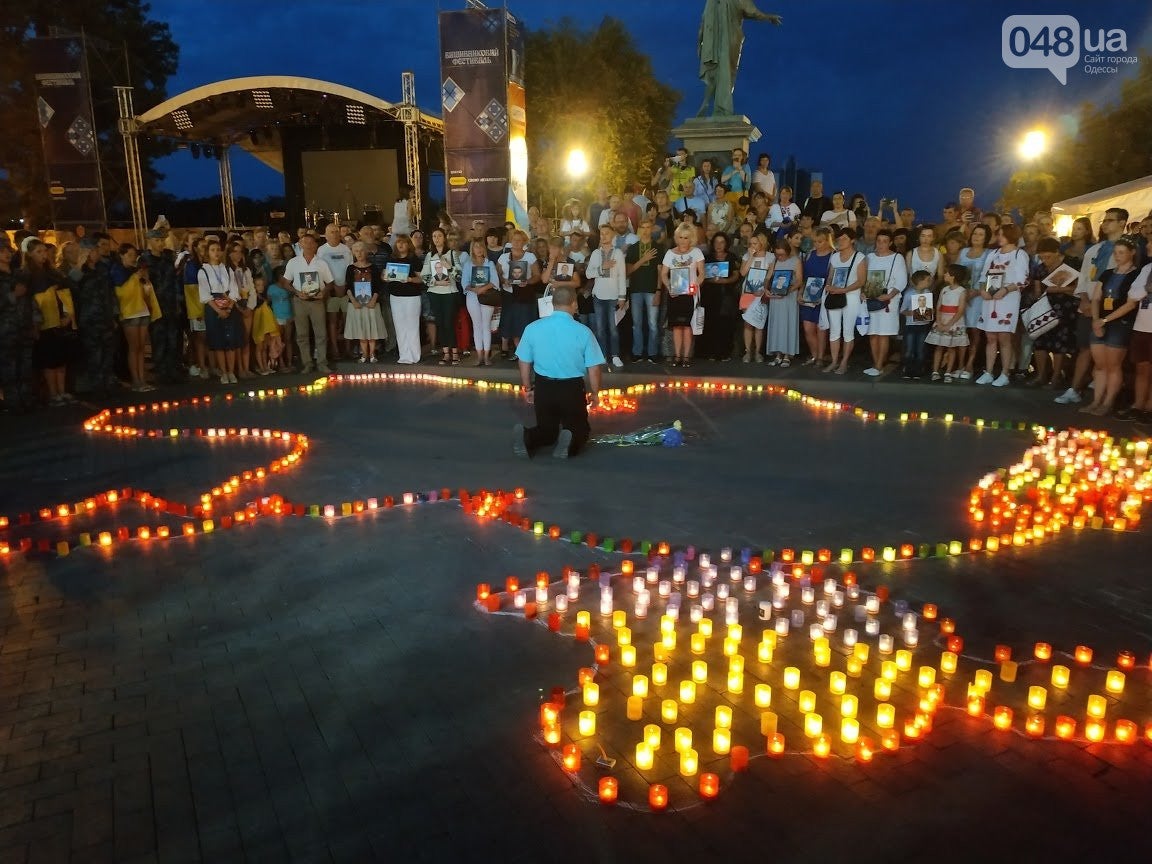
882 593
1042 651
867 554
1126 660
511 585
890 740
585 676
483 590
709 785
657 796
822 746
865 750
571 758
739 758
1002 717
603 654
947 625
581 633
1083 655
787 555
609 789
1065 727
776 744
1002 653
955 644
976 706
554 622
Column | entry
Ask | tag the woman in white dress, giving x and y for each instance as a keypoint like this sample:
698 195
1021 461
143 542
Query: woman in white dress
1007 268
926 256
847 270
887 279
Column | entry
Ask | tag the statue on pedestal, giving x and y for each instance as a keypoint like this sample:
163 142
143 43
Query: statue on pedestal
721 38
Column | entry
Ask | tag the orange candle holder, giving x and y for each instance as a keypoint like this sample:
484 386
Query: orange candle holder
657 796
1002 653
739 758
1002 717
709 785
865 750
822 746
1083 655
776 744
571 758
1125 732
1126 660
1043 651
929 612
609 789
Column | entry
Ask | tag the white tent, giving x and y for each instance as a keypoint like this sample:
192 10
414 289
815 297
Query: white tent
1135 196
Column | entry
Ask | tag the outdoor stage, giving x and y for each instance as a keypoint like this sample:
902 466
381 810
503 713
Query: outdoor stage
295 687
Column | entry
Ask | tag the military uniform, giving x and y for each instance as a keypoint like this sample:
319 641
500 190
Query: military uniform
18 325
96 314
167 332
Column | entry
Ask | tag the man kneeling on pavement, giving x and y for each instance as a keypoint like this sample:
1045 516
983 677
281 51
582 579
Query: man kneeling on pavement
559 349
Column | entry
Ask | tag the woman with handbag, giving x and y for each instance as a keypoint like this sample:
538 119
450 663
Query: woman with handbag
887 279
847 272
1053 345
482 295
519 275
219 294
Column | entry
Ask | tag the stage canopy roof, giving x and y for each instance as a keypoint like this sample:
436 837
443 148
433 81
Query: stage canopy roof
249 113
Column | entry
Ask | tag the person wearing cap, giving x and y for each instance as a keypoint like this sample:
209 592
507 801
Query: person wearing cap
559 351
17 335
166 332
96 316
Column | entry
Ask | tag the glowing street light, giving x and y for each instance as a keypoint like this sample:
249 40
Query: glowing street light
577 163
1034 144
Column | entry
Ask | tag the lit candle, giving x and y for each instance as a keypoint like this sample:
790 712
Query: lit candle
1043 651
1034 725
571 758
1125 731
687 692
983 680
1065 727
721 741
591 694
689 762
628 656
1037 698
791 678
640 685
644 757
888 670
837 683
948 662
885 715
848 706
652 736
623 635
700 671
849 730
736 683
927 676
657 796
603 654
764 652
813 724
853 666
903 660
682 739
762 696
1083 655
882 689
587 723
1114 682
822 746
1094 731
697 642
1002 717
609 787
659 674
1097 706
669 710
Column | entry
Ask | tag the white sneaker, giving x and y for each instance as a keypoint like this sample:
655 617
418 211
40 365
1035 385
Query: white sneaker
1002 381
232 378
1068 397
986 378
224 379
872 370
617 362
965 375
194 371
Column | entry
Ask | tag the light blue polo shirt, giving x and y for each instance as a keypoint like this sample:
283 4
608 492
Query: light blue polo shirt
559 347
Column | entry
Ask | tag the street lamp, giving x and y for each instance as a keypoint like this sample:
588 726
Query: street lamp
1034 144
577 163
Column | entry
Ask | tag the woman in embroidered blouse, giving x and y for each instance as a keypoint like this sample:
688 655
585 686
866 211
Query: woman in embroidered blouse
219 294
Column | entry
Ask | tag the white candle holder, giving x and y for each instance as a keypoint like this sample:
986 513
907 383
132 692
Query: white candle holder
838 600
797 617
781 626
735 574
909 620
911 638
679 574
664 588
695 613
637 584
821 608
561 602
853 592
519 599
829 587
541 596
749 584
726 554
807 595
693 588
652 576
708 602
872 626
722 591
872 604
884 643
850 637
815 631
830 623
704 560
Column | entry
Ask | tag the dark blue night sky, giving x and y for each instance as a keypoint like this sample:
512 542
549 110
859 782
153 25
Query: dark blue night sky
903 99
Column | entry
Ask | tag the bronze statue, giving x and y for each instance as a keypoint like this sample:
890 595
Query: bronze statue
721 38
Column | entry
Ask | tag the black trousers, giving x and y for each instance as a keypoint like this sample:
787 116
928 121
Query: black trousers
559 402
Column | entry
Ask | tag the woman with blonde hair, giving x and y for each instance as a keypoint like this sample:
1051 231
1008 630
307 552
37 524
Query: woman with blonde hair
684 290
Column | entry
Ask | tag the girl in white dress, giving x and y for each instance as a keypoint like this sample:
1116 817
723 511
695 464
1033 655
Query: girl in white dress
1007 268
948 332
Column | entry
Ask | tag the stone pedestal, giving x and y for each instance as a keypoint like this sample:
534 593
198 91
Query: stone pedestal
717 137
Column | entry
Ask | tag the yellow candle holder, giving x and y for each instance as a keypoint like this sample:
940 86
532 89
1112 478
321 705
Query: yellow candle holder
640 685
700 671
762 695
813 724
687 692
882 689
1037 698
849 705
837 683
791 678
721 741
806 701
683 739
849 730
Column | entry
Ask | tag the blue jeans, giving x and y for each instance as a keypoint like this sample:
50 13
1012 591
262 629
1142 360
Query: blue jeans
643 312
604 317
914 336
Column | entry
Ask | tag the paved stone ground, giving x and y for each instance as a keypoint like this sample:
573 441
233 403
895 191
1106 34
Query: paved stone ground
304 691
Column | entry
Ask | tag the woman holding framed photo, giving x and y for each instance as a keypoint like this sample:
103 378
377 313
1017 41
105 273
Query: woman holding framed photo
847 272
783 310
405 285
482 296
220 294
886 281
753 302
811 295
681 273
721 273
364 321
1005 274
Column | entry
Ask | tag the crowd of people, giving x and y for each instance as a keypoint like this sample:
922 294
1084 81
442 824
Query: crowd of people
709 263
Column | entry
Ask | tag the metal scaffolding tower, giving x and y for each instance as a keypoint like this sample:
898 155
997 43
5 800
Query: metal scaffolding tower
409 115
129 128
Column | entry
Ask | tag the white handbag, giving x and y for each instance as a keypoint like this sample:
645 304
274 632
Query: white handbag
756 315
544 304
1040 317
698 321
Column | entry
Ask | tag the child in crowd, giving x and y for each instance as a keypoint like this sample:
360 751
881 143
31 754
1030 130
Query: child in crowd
281 302
918 311
949 332
265 330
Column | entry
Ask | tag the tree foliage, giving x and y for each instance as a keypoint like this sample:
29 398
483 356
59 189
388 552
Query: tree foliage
1111 146
119 33
593 90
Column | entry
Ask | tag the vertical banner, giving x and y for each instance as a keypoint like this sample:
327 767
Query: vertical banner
517 126
480 137
67 132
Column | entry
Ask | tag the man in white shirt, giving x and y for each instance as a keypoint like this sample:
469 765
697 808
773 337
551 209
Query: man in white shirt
1097 259
309 281
337 256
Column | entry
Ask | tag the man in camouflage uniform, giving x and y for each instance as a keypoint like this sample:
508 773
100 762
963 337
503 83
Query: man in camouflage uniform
19 321
97 311
166 333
